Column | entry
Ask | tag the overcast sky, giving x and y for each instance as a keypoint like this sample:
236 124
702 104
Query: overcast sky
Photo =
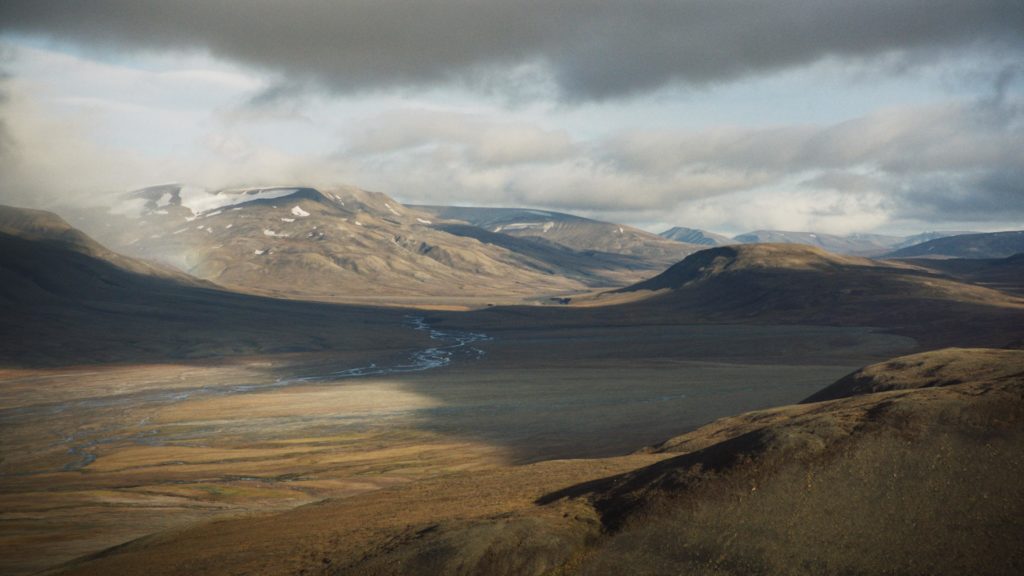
835 115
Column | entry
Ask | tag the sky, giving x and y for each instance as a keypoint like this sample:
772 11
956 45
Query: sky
838 116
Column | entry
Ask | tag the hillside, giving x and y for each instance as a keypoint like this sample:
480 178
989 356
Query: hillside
948 367
990 245
754 493
1006 274
65 298
22 227
589 237
805 283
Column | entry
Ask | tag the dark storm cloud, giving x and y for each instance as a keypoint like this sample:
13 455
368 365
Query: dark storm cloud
593 49
982 197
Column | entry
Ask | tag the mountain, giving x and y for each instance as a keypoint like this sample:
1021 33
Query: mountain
923 237
756 493
45 258
792 283
583 235
67 299
695 236
337 244
347 244
990 245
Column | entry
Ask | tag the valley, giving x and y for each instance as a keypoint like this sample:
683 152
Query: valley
173 444
152 407
493 288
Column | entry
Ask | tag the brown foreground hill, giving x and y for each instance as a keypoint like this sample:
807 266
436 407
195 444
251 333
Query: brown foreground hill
919 479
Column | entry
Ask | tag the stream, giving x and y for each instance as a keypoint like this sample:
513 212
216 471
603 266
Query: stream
450 344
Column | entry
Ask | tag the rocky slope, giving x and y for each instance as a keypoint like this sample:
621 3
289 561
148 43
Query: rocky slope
347 244
583 235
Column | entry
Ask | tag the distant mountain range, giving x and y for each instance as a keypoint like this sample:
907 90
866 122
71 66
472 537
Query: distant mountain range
345 244
854 244
991 245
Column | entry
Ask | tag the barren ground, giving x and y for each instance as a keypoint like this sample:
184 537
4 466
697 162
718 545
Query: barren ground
97 456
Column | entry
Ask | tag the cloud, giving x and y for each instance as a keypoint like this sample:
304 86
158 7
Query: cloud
957 161
483 140
77 129
590 49
51 157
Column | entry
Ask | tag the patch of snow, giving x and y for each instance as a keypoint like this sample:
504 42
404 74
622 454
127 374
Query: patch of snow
522 225
200 227
298 211
287 219
259 252
813 235
160 212
199 200
228 227
620 229
165 199
550 225
393 211
179 231
498 229
156 235
422 221
214 213
272 234
358 223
